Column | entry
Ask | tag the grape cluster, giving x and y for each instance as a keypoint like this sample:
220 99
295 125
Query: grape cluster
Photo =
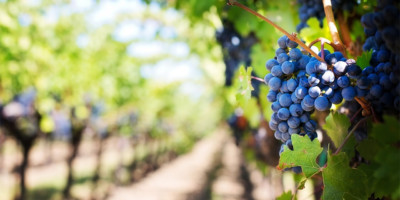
379 83
300 84
236 51
315 8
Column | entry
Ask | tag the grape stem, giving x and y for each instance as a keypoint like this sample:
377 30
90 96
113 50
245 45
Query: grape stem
355 115
337 42
344 30
292 36
367 107
258 79
348 135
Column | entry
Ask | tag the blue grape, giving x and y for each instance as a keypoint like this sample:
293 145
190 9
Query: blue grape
283 127
314 91
353 70
373 78
310 126
284 87
303 81
329 92
274 118
328 77
361 92
305 107
282 58
279 51
294 98
322 67
296 110
285 100
301 92
305 117
312 135
376 91
322 103
293 130
313 80
282 42
271 96
348 93
267 78
273 126
275 106
287 67
283 114
303 61
336 98
276 71
275 83
292 85
285 136
339 68
311 67
270 63
278 135
385 82
293 122
308 101
368 70
343 81
291 44
295 54
363 82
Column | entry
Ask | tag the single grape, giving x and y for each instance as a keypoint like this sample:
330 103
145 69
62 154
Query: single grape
285 100
273 126
283 127
287 67
275 106
343 81
348 93
376 91
314 91
296 110
276 71
301 92
308 101
292 85
295 54
267 78
282 58
336 98
339 68
322 103
313 80
293 122
271 96
283 114
282 42
328 77
274 84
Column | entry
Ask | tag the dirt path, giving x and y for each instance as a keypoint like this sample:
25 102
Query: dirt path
184 178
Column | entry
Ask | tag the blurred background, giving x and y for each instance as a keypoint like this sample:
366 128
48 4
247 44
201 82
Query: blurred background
138 99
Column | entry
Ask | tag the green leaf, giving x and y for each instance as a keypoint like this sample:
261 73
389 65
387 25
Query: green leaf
383 156
336 127
342 181
363 60
245 87
304 154
286 196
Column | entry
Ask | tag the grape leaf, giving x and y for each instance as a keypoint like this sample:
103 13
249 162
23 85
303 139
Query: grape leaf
341 181
286 196
245 87
336 127
363 60
383 156
304 154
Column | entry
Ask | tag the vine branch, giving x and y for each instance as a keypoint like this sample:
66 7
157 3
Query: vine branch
292 37
258 79
337 42
348 135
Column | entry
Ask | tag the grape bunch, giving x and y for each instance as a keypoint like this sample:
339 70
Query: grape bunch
379 83
236 51
300 84
315 8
